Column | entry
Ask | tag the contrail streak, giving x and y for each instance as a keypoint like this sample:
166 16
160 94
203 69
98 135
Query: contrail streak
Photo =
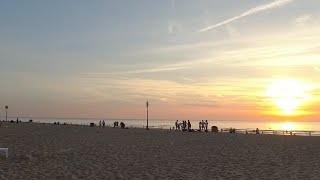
272 5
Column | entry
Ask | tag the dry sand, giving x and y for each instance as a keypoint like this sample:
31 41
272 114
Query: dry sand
43 151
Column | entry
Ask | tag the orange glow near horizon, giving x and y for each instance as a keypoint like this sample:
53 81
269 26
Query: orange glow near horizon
289 95
287 126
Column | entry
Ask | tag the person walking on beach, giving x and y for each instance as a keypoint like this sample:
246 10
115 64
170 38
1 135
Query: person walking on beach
103 123
100 123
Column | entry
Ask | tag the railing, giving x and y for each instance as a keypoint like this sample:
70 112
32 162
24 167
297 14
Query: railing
272 132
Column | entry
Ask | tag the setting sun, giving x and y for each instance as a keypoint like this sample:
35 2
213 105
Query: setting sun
288 95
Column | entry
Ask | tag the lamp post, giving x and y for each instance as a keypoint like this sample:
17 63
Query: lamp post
147 104
6 112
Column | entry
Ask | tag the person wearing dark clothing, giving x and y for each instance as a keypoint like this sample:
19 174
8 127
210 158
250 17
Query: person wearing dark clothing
177 124
122 125
206 125
189 125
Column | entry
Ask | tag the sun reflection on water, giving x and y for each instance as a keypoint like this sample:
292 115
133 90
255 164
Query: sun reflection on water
287 126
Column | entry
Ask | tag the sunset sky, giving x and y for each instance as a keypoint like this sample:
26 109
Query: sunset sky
205 59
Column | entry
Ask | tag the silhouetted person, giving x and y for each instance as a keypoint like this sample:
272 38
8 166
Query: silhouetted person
103 123
257 131
17 121
100 124
189 125
200 126
206 125
182 125
177 124
122 125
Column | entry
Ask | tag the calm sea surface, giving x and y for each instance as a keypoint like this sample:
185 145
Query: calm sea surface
166 124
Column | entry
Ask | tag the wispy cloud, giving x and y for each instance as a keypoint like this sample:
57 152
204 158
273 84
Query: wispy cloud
272 5
151 70
165 68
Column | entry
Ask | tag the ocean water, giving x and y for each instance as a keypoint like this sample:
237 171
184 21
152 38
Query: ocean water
166 124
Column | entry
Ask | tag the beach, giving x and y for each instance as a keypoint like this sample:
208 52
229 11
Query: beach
47 151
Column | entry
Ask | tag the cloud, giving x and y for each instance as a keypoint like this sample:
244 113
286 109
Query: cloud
164 68
272 5
151 70
302 20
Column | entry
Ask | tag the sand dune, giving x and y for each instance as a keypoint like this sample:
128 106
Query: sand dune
43 151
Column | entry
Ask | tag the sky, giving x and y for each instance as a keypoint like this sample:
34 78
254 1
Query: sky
205 59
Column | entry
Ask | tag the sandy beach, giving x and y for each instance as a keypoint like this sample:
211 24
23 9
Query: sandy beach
45 151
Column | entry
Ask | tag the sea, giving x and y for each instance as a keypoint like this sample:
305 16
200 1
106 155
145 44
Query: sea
167 124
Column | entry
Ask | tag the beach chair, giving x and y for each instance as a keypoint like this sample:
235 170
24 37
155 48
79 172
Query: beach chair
4 151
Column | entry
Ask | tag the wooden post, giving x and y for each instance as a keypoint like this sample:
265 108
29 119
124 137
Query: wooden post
6 113
147 104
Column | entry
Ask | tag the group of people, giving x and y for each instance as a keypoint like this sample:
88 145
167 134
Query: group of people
186 125
122 125
102 123
203 125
